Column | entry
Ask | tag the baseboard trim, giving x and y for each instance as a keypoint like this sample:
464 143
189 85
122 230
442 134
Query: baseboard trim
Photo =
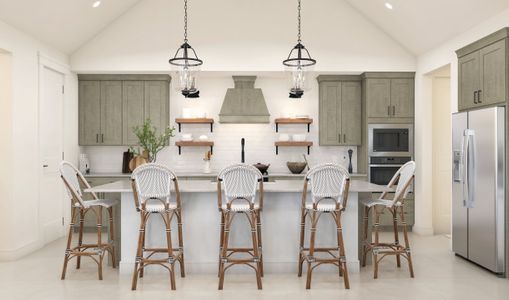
423 230
14 254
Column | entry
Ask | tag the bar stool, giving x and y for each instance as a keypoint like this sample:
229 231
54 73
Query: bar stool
151 185
73 181
240 182
402 180
329 195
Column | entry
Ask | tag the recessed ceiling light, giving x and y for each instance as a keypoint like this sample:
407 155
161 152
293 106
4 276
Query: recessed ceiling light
96 4
388 5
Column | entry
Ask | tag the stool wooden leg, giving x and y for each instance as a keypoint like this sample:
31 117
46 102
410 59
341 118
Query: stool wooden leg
314 220
365 246
407 242
80 236
252 221
342 254
301 244
69 240
181 243
142 263
139 250
99 216
376 213
112 239
221 238
259 238
224 249
394 212
167 222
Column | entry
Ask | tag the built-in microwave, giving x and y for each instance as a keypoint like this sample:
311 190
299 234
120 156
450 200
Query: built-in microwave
390 140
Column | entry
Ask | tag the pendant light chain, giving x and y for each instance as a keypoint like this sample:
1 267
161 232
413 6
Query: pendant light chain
298 18
185 21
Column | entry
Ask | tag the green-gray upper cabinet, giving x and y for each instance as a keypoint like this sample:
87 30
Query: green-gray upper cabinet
133 109
378 93
389 96
110 106
340 110
468 80
482 71
156 104
111 113
402 97
351 113
89 112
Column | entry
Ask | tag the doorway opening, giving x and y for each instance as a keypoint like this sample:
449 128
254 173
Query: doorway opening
441 148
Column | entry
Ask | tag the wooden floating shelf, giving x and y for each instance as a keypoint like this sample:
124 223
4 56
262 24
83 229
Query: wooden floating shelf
293 144
181 121
181 144
306 121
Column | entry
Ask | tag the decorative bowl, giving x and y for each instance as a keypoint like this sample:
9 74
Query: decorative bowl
296 167
299 137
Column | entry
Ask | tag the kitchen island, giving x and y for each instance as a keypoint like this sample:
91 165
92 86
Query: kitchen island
201 220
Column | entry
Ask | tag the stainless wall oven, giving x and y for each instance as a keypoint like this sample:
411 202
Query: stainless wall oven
390 140
382 169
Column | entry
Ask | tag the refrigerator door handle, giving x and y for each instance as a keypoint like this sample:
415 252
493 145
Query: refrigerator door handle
464 164
470 162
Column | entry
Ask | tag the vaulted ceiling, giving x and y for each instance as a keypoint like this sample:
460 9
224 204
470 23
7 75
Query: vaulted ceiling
421 25
418 25
63 24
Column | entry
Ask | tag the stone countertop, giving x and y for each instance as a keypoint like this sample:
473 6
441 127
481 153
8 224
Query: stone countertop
207 186
208 175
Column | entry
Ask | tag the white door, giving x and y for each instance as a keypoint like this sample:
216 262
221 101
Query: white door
51 205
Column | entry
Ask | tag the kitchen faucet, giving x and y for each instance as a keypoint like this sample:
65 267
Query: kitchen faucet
242 155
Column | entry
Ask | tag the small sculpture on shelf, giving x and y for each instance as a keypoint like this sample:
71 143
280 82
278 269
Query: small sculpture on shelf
149 141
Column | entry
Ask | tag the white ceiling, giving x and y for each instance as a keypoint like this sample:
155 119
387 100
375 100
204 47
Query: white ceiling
421 25
63 24
418 25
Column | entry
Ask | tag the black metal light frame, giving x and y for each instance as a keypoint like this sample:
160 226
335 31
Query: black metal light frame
183 59
299 56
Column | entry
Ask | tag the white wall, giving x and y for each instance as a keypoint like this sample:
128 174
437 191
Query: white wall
259 137
21 208
6 149
428 62
242 35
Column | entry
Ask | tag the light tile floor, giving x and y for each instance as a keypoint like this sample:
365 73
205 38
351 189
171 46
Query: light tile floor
439 275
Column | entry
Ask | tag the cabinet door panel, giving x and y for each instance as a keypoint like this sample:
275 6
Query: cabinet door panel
493 73
469 80
89 112
378 93
156 104
111 112
330 113
133 109
402 97
351 122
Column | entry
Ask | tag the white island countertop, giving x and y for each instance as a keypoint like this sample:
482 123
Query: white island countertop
207 186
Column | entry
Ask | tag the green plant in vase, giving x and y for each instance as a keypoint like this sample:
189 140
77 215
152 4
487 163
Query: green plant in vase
150 141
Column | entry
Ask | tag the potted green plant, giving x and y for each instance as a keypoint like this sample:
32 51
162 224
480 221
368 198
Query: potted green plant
150 141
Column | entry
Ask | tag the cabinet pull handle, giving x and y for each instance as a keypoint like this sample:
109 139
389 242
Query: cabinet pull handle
344 138
339 138
479 96
102 137
389 110
394 110
475 97
97 137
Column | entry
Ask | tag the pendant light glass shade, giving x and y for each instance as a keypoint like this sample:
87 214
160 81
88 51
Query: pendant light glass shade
187 64
298 63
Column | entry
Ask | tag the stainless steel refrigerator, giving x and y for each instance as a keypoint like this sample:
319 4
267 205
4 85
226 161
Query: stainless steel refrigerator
478 187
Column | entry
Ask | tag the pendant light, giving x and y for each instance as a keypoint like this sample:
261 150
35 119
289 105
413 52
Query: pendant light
187 62
298 61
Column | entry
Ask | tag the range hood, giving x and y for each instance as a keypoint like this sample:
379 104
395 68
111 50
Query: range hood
244 104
